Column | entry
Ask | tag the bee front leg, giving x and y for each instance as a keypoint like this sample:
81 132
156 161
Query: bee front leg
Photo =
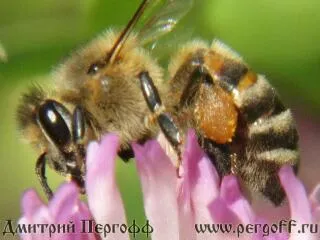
77 178
164 119
41 173
79 127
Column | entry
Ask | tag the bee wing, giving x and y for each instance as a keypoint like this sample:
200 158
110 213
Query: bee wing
157 17
162 48
164 15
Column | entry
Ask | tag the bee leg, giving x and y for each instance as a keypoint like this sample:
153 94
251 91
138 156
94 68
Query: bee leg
78 125
78 179
199 75
41 173
164 119
126 154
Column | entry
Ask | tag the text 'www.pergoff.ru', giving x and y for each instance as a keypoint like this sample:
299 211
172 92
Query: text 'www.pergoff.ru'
283 226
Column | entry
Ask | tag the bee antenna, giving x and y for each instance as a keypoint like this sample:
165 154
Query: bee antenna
126 32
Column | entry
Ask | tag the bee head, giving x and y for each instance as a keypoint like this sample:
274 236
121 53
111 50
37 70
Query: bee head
57 133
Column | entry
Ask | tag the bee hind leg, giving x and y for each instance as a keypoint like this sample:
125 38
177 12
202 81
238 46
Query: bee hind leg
164 119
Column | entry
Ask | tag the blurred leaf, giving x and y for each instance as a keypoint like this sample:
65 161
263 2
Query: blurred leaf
3 54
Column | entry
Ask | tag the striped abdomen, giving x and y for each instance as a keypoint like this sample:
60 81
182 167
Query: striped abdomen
272 139
240 120
266 137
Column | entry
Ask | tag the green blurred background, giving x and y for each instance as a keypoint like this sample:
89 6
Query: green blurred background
280 39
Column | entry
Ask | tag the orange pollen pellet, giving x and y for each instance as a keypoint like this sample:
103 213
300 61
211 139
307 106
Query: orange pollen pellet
216 115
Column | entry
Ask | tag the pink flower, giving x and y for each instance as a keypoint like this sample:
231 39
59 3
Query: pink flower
191 207
65 209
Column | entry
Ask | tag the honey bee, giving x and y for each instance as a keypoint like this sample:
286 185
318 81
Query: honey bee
113 84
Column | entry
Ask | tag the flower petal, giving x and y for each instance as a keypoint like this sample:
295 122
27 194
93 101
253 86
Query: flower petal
30 203
221 213
298 201
315 203
104 197
82 213
65 208
35 213
92 150
62 205
232 208
234 199
200 186
202 176
296 194
158 180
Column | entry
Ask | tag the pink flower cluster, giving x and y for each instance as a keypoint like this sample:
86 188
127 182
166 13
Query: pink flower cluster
186 208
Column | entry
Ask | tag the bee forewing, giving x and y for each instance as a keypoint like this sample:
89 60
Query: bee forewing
161 18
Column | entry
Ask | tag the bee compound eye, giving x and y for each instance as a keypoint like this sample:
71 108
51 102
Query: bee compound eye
52 117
